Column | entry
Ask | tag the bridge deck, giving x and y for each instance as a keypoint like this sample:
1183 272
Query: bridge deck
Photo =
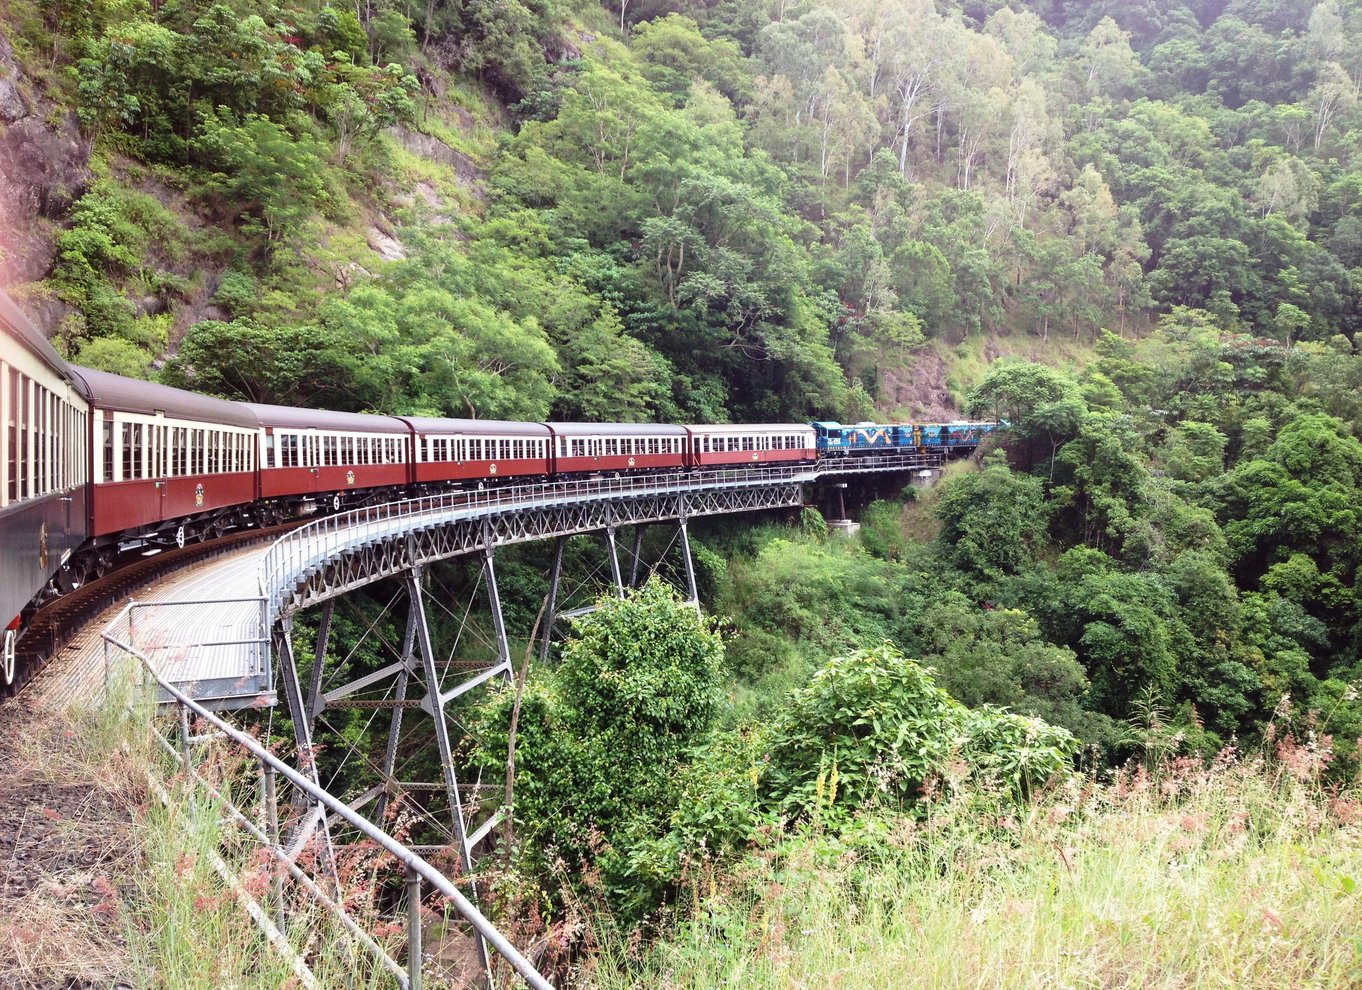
78 673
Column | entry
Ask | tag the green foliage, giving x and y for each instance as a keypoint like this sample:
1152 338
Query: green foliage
993 521
602 739
280 180
873 726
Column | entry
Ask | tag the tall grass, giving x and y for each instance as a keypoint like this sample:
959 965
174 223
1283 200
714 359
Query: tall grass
186 926
1245 873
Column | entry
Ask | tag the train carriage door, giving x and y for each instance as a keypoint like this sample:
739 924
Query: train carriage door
157 461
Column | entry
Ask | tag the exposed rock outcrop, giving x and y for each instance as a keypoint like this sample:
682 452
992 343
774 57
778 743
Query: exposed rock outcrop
44 168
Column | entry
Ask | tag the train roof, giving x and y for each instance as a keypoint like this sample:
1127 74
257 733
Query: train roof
17 325
752 428
114 392
480 427
617 430
293 418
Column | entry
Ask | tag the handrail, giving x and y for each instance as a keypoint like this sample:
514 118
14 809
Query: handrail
407 857
289 557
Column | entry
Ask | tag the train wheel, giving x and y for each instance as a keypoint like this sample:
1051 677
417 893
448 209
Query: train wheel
7 664
69 578
179 536
103 562
335 502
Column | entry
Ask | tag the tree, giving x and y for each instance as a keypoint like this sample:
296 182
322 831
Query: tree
281 180
992 522
874 726
601 737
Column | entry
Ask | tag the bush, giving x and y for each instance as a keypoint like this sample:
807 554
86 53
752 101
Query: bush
873 726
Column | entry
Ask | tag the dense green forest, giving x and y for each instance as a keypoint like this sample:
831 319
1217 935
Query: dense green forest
732 210
1130 229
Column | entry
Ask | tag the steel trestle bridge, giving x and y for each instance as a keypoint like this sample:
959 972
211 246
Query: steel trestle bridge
228 651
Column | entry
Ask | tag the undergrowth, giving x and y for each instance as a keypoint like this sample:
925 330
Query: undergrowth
1240 872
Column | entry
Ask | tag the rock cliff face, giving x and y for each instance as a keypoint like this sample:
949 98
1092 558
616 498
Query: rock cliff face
44 167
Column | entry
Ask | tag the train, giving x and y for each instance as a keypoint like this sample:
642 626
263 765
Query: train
93 464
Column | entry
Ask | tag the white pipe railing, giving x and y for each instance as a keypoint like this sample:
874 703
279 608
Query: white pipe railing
291 556
268 765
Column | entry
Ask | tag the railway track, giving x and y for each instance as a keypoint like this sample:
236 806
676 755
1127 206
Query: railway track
55 624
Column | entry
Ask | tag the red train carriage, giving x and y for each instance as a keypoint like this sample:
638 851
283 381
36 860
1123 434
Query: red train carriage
456 450
617 447
332 457
167 464
767 443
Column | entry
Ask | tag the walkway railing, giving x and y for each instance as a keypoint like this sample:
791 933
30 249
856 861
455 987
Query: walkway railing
291 557
268 828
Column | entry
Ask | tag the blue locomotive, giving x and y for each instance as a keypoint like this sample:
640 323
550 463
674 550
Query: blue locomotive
836 439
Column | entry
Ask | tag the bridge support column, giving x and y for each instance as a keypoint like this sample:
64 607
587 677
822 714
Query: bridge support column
551 604
692 589
436 699
611 547
636 556
302 719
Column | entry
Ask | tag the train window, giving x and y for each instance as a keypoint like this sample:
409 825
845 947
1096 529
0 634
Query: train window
579 448
137 445
269 450
25 427
330 448
107 445
42 459
11 412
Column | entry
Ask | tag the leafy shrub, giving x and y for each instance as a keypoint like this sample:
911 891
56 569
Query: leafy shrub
873 726
601 740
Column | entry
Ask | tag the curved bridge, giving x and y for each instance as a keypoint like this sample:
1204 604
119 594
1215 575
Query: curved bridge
218 649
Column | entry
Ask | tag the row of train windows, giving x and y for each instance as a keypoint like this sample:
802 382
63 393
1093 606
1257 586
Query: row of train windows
787 441
618 446
45 441
480 449
291 450
154 450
